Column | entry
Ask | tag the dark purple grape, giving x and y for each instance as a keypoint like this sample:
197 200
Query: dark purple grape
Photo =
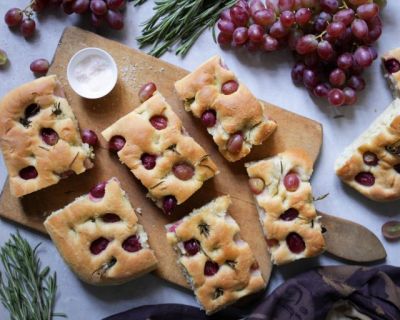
210 268
295 243
99 245
368 11
370 158
363 56
325 50
366 179
89 137
322 90
235 143
209 118
359 28
110 218
132 244
307 44
392 65
345 61
31 110
192 247
28 173
40 66
148 161
337 77
356 82
330 6
224 39
321 21
289 215
159 122
303 16
310 78
49 136
169 204
297 72
116 143
98 191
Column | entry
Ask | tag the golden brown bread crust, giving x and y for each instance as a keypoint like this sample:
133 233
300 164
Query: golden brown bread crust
237 112
382 138
275 200
76 226
393 78
172 145
22 145
238 273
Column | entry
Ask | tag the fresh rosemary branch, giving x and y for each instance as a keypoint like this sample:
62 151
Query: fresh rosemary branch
180 22
26 291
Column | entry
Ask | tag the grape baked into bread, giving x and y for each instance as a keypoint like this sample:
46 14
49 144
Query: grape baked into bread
99 236
391 65
39 137
232 114
284 200
158 151
371 164
218 264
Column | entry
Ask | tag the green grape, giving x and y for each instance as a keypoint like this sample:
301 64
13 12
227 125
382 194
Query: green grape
3 58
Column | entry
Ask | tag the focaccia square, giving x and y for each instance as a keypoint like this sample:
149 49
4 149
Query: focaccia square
39 137
230 112
100 238
218 264
371 164
160 153
391 66
284 199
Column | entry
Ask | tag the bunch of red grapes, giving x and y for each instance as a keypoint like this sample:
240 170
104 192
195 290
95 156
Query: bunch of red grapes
331 40
100 11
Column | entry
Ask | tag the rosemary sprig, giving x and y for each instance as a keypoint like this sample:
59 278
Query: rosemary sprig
179 22
26 290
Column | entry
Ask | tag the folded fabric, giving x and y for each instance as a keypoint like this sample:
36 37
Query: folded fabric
331 293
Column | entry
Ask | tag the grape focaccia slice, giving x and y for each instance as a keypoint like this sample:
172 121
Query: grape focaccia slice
39 137
217 263
371 164
285 203
391 65
99 236
232 114
154 145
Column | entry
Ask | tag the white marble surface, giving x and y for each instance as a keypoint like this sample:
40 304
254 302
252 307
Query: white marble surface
269 78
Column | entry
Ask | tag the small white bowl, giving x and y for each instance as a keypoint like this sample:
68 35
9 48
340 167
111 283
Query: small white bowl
91 86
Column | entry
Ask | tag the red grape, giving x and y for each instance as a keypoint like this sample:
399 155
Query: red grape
81 6
336 97
98 7
28 27
322 90
335 29
359 28
115 4
240 36
226 26
270 43
325 50
337 77
307 44
345 16
96 21
265 17
363 56
286 5
224 38
256 33
330 6
239 16
147 91
115 19
277 30
13 17
368 11
345 61
310 78
287 19
350 96
356 82
89 137
40 66
297 72
303 16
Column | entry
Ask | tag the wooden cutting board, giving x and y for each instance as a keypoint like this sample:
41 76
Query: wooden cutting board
135 69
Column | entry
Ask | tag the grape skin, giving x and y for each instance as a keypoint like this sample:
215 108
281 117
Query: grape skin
332 43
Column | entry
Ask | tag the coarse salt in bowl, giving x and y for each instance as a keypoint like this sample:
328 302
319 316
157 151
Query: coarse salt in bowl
92 73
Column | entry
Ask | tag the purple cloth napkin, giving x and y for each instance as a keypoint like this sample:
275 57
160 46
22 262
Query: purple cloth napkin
342 292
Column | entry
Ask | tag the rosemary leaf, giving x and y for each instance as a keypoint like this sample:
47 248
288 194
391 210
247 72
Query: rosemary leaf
26 290
179 23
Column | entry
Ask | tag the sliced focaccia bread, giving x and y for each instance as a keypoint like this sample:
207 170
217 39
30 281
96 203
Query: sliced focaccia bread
391 66
39 137
218 264
226 107
284 199
371 164
154 145
99 236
